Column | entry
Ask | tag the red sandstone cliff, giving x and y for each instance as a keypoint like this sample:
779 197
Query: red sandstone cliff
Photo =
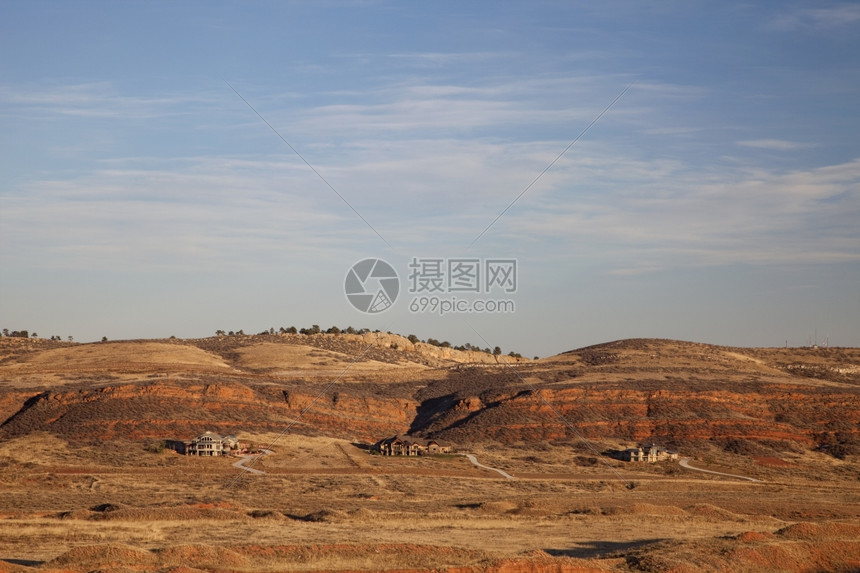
631 389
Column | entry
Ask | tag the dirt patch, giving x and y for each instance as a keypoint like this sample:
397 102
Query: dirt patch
500 506
813 531
754 537
201 555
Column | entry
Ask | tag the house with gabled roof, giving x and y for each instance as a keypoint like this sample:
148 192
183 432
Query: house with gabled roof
206 444
410 446
649 453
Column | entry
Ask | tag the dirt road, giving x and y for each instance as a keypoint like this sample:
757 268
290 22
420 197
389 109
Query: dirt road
474 461
245 459
685 463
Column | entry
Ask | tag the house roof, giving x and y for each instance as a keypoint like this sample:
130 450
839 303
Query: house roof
410 440
647 447
212 436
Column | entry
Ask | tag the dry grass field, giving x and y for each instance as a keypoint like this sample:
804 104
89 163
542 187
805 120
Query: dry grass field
77 502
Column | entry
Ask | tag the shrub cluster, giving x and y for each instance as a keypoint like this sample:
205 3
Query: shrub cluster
315 329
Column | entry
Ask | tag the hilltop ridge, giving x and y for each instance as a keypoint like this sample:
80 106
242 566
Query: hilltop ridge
634 389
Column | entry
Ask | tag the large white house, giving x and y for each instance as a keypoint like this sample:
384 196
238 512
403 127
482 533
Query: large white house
206 444
649 453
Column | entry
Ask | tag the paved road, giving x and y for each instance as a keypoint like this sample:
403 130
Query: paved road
685 463
474 460
245 459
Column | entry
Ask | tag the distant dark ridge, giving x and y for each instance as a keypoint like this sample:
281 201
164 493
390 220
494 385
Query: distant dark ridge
648 343
640 344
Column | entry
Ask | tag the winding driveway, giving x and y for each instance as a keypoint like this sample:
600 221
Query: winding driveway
474 461
685 463
245 459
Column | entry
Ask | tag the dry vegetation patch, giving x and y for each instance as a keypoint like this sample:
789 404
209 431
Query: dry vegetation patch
71 500
117 356
300 360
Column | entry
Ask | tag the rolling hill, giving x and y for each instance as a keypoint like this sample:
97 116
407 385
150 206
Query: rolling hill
364 387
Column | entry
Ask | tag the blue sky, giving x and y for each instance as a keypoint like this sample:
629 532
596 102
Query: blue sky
718 200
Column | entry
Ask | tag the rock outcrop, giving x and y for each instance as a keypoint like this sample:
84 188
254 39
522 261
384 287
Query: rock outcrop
172 409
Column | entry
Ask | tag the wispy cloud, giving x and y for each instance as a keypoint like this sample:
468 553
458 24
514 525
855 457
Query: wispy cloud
774 144
496 106
202 213
93 100
429 164
685 219
448 58
818 19
232 212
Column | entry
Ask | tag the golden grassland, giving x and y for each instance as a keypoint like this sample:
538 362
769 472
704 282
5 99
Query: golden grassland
78 502
71 505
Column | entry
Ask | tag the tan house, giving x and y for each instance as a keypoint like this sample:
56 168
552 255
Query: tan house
434 447
206 444
650 453
409 446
